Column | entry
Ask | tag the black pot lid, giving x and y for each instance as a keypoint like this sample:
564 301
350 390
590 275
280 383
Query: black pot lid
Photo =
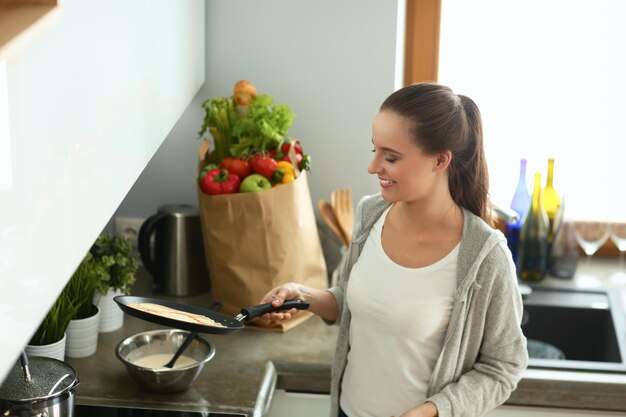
49 378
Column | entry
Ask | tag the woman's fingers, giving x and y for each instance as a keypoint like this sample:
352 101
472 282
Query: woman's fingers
280 315
273 296
277 297
286 292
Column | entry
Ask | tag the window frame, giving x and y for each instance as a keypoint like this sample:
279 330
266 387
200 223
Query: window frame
19 17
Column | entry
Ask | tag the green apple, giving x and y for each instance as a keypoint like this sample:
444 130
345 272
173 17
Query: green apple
254 183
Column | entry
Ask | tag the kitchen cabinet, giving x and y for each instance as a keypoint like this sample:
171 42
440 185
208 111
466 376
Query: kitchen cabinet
175 63
511 411
84 105
288 404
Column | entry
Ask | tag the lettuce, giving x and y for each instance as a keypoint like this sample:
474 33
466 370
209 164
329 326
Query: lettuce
264 127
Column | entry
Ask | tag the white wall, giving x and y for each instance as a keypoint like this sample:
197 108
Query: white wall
331 62
84 105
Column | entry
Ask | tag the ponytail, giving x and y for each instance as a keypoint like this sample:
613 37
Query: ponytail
469 177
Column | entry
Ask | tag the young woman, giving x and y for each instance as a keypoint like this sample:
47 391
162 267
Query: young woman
427 299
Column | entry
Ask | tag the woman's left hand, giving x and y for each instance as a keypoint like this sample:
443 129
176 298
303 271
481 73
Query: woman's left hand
427 409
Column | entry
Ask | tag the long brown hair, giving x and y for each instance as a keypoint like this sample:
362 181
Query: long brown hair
442 120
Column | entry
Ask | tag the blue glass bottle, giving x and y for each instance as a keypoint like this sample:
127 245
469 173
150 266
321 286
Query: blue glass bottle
520 203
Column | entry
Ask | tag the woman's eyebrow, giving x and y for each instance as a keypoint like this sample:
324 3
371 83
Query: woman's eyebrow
388 149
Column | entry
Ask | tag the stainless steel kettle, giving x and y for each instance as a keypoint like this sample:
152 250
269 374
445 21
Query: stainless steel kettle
178 265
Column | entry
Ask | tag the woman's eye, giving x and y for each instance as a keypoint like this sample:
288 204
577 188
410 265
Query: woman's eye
390 159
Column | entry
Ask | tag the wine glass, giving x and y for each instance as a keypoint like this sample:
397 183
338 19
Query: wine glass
618 236
591 235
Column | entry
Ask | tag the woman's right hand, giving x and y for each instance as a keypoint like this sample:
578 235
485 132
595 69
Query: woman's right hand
278 295
321 302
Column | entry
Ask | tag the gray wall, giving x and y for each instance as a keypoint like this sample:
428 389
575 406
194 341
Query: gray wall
331 62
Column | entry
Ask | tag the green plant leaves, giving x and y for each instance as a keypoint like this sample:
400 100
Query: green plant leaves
117 261
110 263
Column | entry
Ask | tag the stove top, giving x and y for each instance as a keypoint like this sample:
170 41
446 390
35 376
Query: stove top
105 411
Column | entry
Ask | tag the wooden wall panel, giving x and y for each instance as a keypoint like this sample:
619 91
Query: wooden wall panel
423 19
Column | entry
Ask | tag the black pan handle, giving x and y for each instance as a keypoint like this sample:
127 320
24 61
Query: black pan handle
257 311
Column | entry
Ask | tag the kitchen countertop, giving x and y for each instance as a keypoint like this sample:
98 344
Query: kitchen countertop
229 383
248 365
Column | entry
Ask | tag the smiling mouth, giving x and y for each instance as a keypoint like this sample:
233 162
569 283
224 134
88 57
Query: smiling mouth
385 182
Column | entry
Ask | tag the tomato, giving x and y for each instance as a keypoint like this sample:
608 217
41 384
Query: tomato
263 164
239 167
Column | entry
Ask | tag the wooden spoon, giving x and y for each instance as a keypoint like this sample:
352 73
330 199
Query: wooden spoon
341 204
327 213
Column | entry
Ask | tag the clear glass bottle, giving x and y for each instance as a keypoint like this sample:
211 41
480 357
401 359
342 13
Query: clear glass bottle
551 203
520 203
564 257
532 259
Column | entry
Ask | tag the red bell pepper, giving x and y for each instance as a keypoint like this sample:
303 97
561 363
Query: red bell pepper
219 181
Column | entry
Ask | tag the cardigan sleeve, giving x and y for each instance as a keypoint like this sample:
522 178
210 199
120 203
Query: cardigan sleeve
502 356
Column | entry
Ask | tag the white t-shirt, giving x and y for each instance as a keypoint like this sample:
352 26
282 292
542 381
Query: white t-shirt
399 320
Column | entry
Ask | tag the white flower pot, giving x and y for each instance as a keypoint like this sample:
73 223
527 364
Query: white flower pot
111 316
54 350
82 337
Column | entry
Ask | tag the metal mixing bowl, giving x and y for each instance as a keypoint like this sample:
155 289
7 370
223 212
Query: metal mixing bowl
163 380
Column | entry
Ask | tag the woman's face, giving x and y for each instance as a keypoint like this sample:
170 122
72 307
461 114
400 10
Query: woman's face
404 172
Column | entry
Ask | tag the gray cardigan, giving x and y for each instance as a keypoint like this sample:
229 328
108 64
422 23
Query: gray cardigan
484 351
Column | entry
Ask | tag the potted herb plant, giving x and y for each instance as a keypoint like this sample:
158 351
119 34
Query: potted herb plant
50 339
119 268
82 331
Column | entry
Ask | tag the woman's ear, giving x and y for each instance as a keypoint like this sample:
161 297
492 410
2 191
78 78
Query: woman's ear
443 160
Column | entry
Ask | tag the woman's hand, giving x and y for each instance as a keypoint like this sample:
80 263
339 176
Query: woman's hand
278 295
321 302
427 409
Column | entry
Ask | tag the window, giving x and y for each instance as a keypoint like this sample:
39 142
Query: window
550 80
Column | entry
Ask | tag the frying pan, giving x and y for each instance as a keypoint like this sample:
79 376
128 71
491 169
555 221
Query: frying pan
230 324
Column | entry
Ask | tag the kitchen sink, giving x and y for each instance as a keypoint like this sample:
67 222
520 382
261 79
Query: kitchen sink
575 329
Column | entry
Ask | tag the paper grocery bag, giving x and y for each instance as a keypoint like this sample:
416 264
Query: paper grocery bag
256 241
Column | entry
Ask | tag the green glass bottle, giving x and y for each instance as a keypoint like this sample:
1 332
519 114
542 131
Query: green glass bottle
532 259
551 203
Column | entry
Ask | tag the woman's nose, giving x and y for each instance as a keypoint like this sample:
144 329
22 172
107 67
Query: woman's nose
373 167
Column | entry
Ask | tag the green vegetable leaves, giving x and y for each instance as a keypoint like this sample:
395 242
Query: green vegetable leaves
264 127
219 120
239 132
